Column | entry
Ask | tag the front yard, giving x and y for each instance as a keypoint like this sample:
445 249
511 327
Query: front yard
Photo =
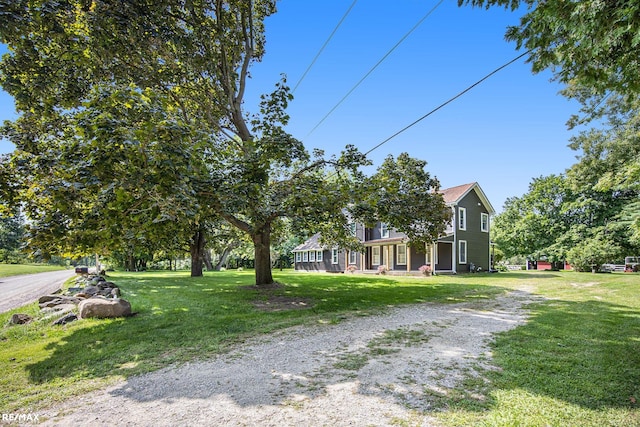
575 362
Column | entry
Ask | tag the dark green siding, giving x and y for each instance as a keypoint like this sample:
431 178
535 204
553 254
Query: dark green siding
477 240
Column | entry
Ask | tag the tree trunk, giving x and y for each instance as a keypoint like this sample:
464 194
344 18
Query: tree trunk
197 253
207 260
223 258
262 246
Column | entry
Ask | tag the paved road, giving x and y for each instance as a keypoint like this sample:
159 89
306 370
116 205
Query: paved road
16 291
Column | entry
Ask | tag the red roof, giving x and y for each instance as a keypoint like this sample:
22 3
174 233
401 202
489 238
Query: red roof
454 194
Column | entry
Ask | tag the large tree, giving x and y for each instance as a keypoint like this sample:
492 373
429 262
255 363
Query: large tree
592 47
591 44
133 128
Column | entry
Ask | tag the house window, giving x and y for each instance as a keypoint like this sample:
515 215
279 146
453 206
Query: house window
462 251
375 255
484 222
352 228
427 257
319 256
384 230
305 256
298 256
353 257
402 254
334 256
312 256
462 218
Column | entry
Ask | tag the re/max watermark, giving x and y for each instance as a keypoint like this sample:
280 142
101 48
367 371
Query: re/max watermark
20 418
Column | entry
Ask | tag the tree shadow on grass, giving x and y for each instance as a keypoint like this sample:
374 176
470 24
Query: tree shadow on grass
202 317
584 353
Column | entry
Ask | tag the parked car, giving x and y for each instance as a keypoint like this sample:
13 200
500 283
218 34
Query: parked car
632 263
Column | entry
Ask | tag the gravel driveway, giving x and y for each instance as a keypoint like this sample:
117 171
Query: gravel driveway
365 371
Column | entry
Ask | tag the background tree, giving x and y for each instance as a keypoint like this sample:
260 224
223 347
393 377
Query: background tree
589 44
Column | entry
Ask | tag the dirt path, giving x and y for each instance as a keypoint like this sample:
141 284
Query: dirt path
373 371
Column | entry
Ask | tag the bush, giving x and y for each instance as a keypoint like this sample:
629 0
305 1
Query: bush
591 254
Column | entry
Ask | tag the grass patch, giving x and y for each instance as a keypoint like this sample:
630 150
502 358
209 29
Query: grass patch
7 270
181 319
575 362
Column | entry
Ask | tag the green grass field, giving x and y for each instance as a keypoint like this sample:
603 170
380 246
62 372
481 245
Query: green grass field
576 362
7 270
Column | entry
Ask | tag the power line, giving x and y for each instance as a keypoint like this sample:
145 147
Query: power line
324 45
376 66
448 101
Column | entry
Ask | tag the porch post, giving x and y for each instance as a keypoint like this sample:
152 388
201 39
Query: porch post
408 249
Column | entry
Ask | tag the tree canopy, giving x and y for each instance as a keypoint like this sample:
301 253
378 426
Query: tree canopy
591 213
590 44
133 131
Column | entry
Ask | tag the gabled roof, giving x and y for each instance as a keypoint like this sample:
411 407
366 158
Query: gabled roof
453 195
311 244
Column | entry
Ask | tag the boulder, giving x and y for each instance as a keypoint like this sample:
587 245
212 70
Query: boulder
67 318
91 290
47 298
20 319
104 308
58 310
59 300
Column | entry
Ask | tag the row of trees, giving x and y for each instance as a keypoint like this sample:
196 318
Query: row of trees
133 133
591 214
132 130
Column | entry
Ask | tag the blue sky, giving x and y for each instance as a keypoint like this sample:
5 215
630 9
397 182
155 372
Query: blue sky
501 134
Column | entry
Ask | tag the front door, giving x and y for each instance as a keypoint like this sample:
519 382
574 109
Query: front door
444 256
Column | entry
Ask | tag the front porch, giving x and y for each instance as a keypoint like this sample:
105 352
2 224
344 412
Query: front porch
400 259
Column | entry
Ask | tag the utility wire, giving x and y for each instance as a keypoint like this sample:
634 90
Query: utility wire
324 45
375 66
448 101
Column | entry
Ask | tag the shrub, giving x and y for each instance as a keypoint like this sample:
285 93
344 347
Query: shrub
382 269
425 269
591 254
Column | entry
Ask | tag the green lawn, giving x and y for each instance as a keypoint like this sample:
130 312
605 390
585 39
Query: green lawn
7 270
576 362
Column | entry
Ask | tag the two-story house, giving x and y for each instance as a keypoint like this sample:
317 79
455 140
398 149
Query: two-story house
465 245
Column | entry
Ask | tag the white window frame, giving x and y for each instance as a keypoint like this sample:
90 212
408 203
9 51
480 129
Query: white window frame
462 252
334 256
484 222
298 256
353 257
305 256
375 257
384 230
312 256
318 256
399 256
462 218
352 228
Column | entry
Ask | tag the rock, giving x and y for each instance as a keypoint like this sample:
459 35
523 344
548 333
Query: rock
20 319
115 292
91 290
60 300
47 298
67 318
104 308
58 309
